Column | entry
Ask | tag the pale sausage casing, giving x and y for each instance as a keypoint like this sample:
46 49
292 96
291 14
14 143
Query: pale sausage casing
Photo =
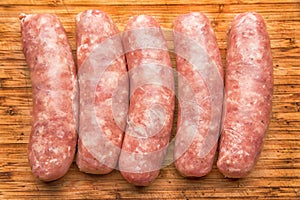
151 108
248 95
53 137
200 94
103 84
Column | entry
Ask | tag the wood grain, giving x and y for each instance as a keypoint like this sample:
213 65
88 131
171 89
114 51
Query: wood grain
277 173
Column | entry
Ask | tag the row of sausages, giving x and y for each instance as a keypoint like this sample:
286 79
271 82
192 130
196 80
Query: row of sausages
121 97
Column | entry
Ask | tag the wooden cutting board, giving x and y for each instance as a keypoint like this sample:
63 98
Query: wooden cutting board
277 173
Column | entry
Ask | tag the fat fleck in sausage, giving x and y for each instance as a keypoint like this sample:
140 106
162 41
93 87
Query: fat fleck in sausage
248 95
151 108
53 137
103 84
200 94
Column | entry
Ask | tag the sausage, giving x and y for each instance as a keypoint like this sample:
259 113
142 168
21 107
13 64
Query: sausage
52 142
200 94
248 95
103 84
152 99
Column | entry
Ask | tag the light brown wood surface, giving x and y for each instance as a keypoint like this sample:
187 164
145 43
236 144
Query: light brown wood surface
277 173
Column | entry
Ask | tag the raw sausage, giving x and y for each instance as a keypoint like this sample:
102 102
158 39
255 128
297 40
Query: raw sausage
151 108
103 84
200 94
53 137
248 95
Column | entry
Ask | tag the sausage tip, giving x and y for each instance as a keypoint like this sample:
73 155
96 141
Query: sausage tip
22 16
